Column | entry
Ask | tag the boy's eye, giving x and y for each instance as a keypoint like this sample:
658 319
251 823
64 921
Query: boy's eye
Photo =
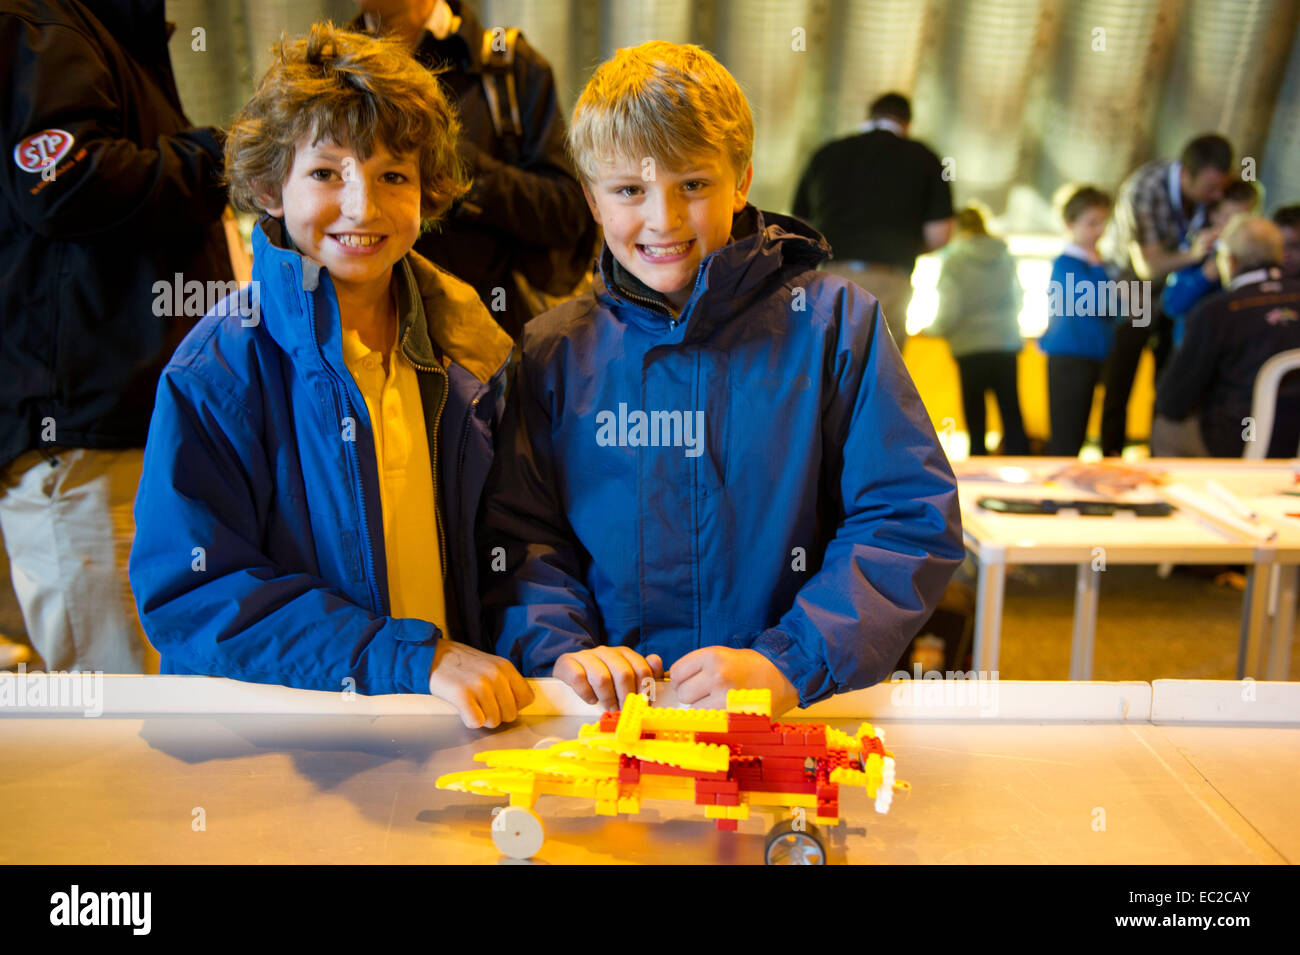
628 192
322 175
395 178
694 185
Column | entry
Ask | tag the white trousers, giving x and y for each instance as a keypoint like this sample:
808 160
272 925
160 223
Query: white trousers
66 518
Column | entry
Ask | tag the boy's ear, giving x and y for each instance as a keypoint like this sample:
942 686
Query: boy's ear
742 189
273 205
591 204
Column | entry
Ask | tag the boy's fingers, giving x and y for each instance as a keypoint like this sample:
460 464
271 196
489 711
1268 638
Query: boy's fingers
471 714
487 701
570 670
505 697
688 666
656 665
518 685
600 680
641 671
691 690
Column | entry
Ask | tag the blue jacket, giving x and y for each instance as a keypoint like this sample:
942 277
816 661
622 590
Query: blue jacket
1078 323
259 547
1184 289
815 520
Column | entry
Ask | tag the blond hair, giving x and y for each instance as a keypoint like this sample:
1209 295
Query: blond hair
668 101
1253 241
354 90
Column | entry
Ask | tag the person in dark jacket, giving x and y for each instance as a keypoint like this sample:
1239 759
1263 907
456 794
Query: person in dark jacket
716 462
314 466
107 191
1229 337
523 228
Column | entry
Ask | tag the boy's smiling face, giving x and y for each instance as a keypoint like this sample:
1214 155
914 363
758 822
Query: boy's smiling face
356 217
660 224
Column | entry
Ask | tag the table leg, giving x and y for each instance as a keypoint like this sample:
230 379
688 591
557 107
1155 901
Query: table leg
988 610
1254 612
1086 590
1279 653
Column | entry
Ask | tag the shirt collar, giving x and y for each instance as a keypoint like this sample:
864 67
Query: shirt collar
883 122
1253 276
1079 252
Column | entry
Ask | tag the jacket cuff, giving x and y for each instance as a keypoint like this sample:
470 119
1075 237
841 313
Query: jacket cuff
416 643
810 678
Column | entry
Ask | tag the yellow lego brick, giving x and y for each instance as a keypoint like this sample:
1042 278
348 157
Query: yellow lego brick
806 800
666 787
867 730
736 812
684 721
629 804
875 773
716 812
629 721
700 757
607 790
848 777
606 807
758 702
835 739
826 820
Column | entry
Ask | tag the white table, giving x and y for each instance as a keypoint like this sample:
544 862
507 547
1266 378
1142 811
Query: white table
1174 772
1091 543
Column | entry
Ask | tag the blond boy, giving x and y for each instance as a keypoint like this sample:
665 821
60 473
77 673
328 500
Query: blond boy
715 464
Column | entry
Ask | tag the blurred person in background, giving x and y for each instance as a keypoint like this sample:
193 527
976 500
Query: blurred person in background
1080 331
1186 287
106 190
979 307
880 199
522 236
1211 378
1287 219
1158 207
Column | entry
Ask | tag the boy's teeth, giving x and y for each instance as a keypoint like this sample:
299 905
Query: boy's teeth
665 250
358 239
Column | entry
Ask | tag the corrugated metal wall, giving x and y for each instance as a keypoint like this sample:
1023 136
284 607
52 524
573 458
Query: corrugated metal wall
1023 95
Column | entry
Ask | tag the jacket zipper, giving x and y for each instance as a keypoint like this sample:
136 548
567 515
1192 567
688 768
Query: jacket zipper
381 599
433 449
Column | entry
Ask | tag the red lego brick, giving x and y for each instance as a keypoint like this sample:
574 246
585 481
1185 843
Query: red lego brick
785 776
781 786
609 721
727 825
788 763
747 722
716 786
728 799
800 751
831 791
817 736
828 809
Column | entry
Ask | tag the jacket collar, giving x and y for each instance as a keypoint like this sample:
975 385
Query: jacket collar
451 324
763 246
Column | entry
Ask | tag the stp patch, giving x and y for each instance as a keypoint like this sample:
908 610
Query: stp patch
42 149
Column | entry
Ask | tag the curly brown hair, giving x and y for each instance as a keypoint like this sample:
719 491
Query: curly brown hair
354 90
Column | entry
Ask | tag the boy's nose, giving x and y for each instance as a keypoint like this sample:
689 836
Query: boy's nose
356 201
665 214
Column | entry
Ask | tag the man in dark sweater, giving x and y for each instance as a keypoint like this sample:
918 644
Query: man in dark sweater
881 200
1228 339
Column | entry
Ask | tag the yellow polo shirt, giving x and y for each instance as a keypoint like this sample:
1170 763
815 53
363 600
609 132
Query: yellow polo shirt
405 480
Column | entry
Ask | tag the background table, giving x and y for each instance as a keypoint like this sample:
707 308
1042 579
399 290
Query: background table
997 539
1171 772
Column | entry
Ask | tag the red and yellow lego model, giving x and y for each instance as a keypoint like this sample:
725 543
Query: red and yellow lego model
728 761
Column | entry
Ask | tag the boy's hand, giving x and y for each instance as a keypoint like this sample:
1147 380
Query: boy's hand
607 675
704 676
487 690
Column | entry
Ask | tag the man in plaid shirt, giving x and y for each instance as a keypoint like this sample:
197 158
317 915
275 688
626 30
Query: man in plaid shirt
1160 215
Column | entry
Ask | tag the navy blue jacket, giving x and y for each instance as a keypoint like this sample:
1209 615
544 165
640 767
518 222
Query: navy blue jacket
815 520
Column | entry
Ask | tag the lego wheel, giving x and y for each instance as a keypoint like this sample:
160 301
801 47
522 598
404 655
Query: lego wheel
787 845
517 832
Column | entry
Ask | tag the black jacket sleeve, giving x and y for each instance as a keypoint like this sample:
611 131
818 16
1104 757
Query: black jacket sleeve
59 79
